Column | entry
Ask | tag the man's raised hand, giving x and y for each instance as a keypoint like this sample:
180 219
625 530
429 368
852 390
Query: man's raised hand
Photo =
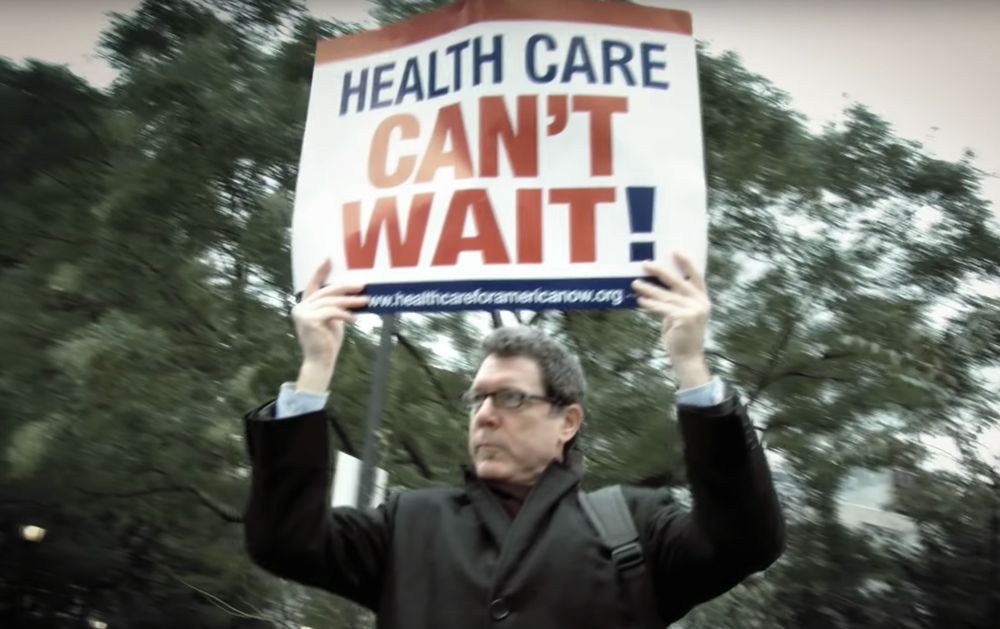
683 305
319 325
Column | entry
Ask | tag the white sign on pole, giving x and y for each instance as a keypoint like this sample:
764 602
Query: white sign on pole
503 154
347 479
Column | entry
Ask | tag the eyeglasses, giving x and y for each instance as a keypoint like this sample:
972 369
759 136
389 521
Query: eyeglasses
506 399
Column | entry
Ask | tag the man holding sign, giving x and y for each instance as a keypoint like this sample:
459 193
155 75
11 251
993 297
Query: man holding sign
499 155
513 546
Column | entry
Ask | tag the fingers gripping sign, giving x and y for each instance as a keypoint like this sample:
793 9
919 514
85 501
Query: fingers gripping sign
681 302
320 316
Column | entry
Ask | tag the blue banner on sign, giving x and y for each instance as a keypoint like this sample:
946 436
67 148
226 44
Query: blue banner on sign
522 294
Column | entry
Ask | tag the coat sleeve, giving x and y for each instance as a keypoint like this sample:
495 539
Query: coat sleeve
290 529
735 527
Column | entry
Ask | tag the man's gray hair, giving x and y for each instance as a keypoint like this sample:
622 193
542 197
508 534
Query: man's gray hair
561 373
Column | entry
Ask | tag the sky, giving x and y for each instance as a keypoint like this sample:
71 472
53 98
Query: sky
930 68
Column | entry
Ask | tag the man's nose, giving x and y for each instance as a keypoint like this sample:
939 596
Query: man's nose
486 414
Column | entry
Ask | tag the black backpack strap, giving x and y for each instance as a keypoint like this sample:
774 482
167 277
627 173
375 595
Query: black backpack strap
609 513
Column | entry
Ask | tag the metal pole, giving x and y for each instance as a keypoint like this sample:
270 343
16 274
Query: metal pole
380 379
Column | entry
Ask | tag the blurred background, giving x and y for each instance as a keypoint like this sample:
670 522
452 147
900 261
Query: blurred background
148 154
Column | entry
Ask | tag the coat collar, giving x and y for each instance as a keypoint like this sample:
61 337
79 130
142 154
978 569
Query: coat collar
514 537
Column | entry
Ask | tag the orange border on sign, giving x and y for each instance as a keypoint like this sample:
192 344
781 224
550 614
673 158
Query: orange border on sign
428 25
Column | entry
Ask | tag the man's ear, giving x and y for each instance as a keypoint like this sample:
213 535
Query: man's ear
571 420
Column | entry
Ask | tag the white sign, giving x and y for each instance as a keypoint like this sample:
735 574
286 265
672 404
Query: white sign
503 154
347 479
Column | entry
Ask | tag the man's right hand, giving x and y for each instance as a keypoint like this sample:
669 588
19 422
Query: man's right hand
319 324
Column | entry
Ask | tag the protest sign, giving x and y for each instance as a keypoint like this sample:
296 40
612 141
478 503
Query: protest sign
503 154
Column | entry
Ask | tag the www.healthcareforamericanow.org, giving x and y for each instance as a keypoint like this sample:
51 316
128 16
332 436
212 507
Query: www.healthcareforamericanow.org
540 296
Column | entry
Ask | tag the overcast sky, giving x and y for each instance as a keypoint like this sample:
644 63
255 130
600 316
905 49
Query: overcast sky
931 68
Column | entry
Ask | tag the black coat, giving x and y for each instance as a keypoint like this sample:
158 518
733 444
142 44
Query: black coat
454 559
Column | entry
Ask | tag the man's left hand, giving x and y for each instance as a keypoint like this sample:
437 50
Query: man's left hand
683 305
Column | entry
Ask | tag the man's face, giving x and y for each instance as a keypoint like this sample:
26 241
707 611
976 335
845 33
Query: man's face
516 444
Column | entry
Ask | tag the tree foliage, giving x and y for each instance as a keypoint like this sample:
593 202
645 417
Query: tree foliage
144 264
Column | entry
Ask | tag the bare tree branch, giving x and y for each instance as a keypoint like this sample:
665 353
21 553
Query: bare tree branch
409 445
777 354
426 367
800 371
135 493
162 285
231 610
538 317
729 360
224 511
227 513
814 376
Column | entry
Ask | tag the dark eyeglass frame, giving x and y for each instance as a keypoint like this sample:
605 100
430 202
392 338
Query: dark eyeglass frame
514 399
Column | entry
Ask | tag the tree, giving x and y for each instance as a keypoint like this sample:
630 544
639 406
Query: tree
144 260
135 215
151 254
